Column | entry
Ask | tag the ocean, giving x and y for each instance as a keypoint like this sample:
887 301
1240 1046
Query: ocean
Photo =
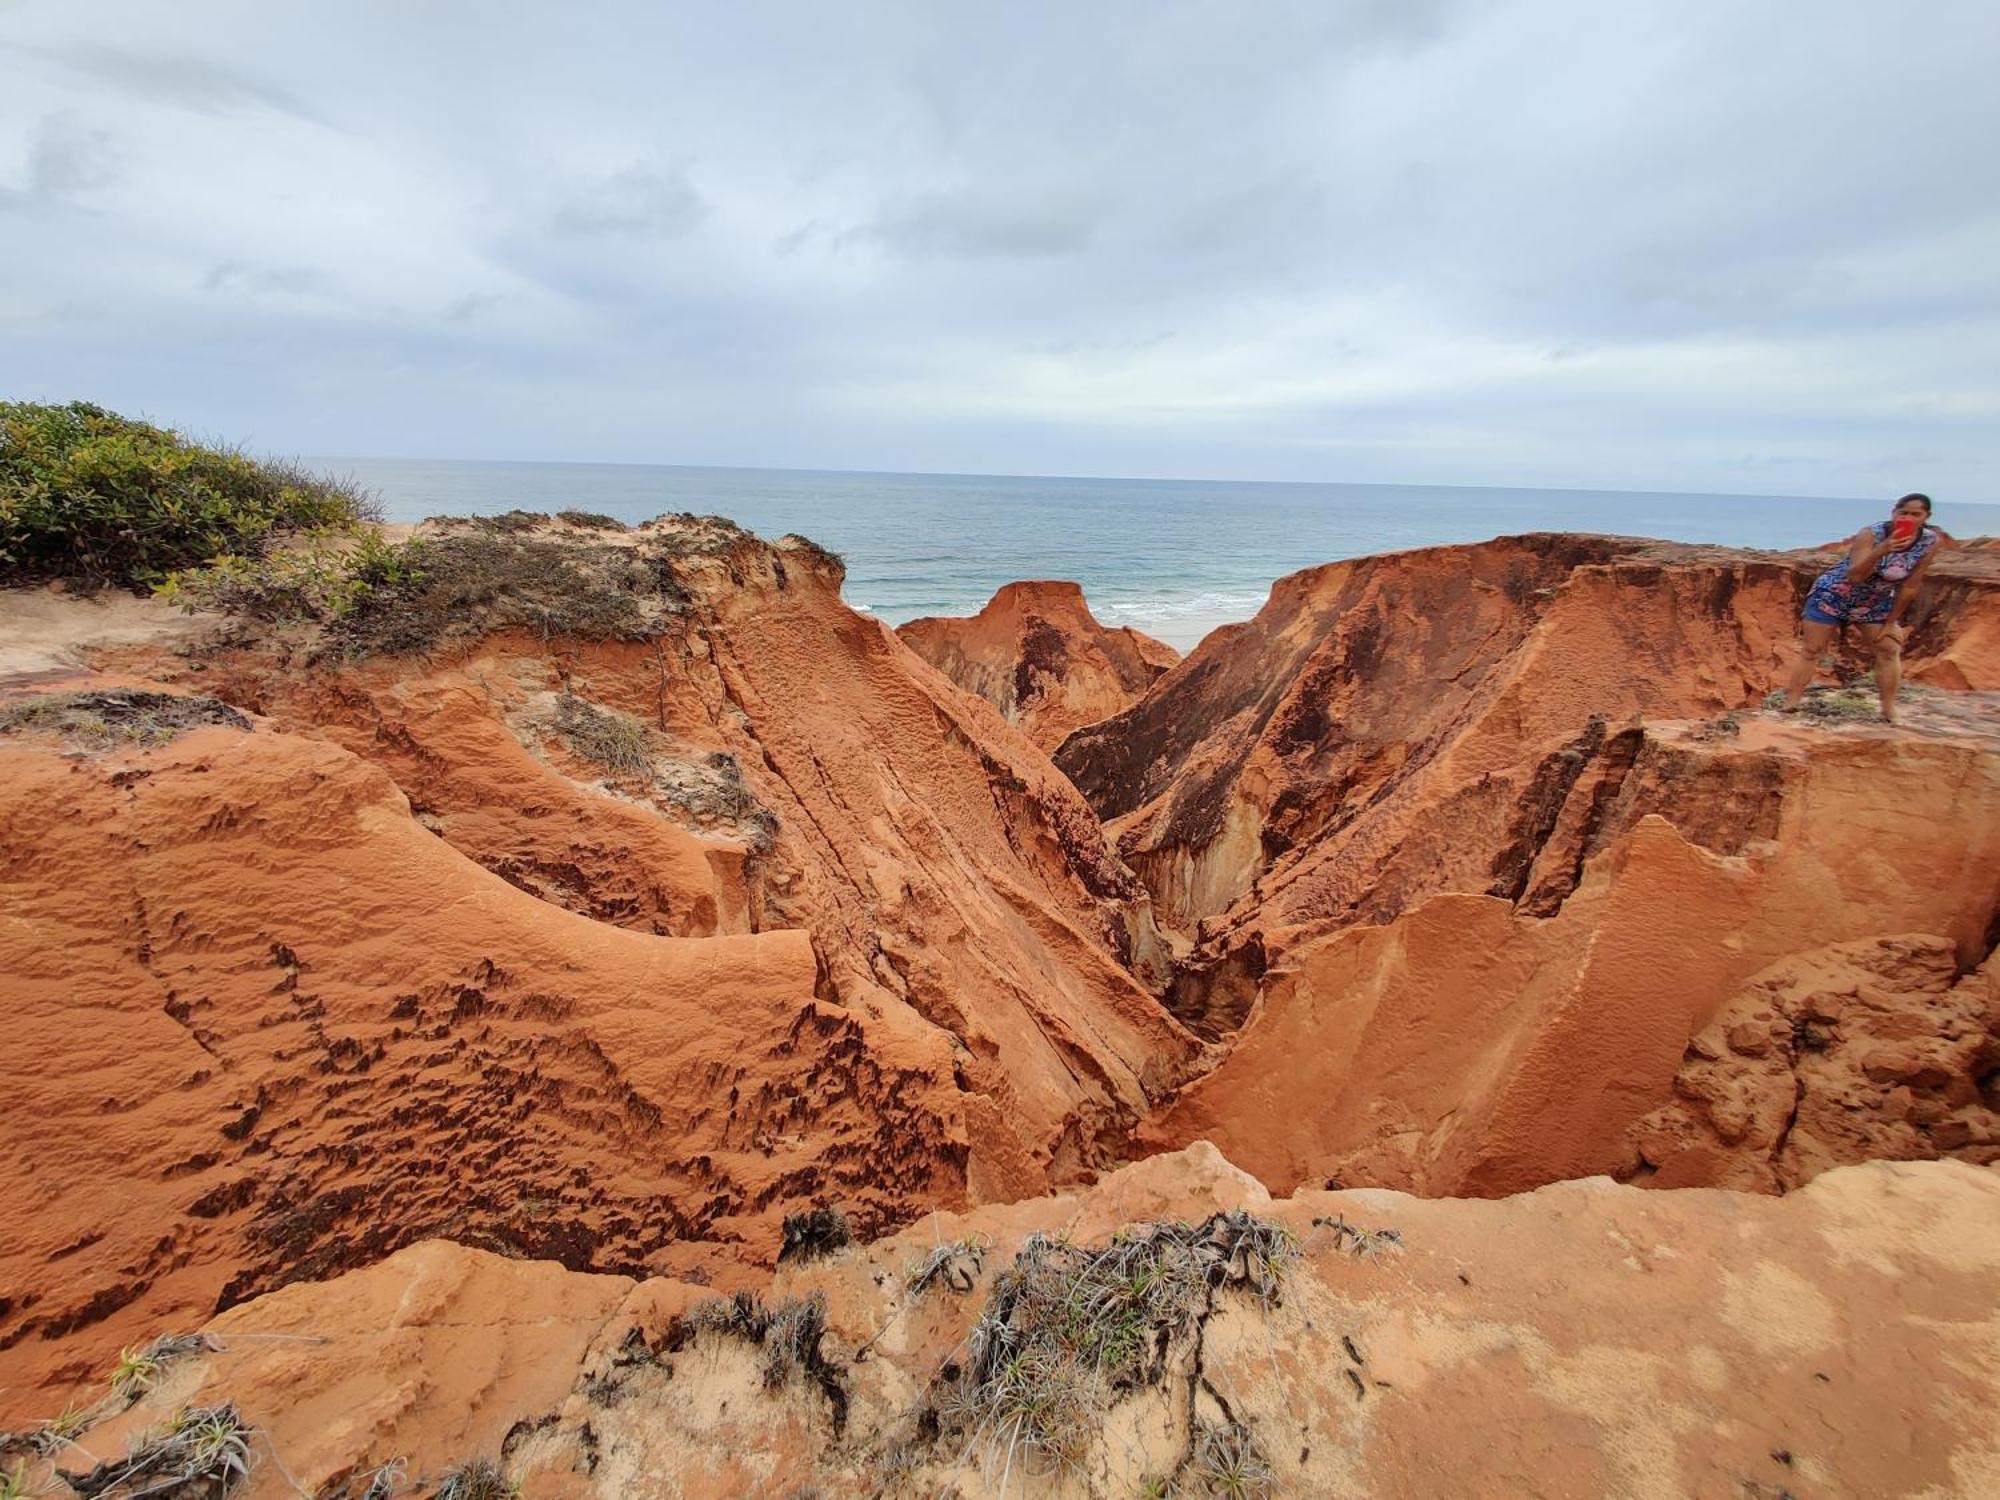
1175 558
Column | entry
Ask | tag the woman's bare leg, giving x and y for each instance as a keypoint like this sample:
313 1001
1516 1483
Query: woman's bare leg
1813 642
1888 668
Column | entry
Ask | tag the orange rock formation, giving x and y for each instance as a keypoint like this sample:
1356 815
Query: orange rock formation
274 1019
1586 1339
605 949
1037 653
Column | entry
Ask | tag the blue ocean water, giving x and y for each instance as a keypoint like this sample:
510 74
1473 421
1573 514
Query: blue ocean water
1173 557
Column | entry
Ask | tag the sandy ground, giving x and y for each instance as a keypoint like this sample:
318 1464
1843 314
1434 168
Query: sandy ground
48 630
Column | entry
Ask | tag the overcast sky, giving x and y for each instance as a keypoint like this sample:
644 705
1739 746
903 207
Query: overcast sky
1705 244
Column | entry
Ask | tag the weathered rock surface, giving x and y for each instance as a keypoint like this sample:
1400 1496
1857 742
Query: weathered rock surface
605 954
1486 1043
1396 726
1854 1052
1038 654
836 932
1586 1339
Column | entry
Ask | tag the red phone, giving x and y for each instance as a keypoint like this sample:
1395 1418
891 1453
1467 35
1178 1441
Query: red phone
1905 528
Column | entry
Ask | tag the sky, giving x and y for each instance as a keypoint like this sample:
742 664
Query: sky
1745 247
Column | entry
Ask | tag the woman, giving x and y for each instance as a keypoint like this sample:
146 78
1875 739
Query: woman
1871 587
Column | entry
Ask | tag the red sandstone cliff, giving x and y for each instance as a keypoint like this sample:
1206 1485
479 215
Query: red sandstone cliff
611 945
1037 653
272 1018
1583 1340
1454 874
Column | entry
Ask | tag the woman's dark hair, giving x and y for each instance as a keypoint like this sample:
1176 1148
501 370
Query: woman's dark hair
1923 500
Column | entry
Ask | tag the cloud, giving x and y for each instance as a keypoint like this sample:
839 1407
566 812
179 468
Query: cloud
1487 241
232 279
67 159
182 79
636 201
990 224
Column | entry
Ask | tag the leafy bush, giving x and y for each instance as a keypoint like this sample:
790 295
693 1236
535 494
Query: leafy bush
90 495
474 581
591 520
321 578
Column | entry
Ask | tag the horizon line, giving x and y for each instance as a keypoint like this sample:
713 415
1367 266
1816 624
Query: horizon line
1560 489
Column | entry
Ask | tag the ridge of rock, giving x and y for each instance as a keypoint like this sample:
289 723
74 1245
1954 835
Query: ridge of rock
1583 1339
1038 654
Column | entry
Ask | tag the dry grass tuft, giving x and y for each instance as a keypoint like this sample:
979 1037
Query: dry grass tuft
1067 1331
819 1231
612 740
106 719
203 1452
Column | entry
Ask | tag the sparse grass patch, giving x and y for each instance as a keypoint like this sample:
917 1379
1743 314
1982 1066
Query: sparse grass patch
87 494
1357 1239
203 1451
1066 1331
100 720
1835 704
473 581
1225 1461
137 1369
955 1265
612 740
824 557
820 1230
590 520
479 1479
788 1337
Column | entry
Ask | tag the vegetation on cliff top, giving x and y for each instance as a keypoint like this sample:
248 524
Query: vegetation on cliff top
90 495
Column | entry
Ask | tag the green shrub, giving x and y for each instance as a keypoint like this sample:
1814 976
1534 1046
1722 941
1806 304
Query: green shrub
90 495
322 577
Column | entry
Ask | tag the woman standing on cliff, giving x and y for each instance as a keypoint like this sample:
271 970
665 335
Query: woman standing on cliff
1871 587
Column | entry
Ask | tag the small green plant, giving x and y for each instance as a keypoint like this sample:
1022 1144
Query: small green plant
15 1485
137 1369
612 740
204 1450
479 1479
1226 1462
87 494
320 578
61 1432
1066 1330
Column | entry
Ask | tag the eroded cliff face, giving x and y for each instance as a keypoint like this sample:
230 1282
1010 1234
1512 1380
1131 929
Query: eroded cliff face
1038 654
1586 1339
605 931
1462 884
1476 1045
611 951
1401 725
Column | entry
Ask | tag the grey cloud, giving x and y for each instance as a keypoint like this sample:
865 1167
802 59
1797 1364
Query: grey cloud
67 159
182 79
992 224
638 201
230 278
1501 241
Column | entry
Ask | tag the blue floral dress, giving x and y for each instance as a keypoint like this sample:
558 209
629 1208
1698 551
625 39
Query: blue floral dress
1836 599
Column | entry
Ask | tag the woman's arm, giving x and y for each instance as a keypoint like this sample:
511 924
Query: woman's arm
1907 594
1867 552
